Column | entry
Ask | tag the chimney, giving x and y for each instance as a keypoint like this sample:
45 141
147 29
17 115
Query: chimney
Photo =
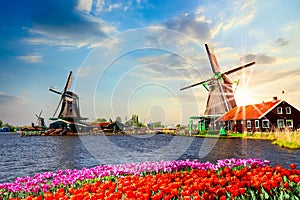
274 98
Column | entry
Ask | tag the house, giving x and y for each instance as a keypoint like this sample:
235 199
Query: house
266 116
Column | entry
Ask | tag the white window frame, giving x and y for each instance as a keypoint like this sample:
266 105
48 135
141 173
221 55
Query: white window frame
256 123
292 123
248 123
288 110
268 123
278 123
279 110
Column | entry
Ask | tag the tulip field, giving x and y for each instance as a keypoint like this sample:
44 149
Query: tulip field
226 179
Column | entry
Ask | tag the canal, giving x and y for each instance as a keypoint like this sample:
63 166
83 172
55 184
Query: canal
26 156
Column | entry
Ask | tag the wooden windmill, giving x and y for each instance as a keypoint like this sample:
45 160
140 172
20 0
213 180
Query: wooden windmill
69 103
40 120
220 92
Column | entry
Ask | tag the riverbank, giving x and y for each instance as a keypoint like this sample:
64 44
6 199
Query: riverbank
285 139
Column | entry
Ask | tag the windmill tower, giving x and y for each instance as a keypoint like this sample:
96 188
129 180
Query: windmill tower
220 93
40 120
69 103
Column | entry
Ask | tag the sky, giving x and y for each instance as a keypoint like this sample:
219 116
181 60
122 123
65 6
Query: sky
132 57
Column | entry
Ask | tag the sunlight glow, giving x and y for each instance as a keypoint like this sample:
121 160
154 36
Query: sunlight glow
244 96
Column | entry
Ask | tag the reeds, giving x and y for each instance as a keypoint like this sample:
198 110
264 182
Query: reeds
286 139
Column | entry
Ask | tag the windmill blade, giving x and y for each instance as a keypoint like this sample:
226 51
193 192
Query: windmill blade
37 120
69 82
226 79
239 68
213 60
197 84
236 86
223 95
52 90
57 106
40 114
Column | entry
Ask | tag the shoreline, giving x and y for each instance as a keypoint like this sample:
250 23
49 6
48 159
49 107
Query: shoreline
289 140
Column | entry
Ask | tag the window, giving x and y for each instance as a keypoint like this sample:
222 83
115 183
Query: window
265 123
288 110
248 124
289 123
256 124
280 123
279 110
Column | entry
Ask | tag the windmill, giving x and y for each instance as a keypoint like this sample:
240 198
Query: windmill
40 120
69 103
220 93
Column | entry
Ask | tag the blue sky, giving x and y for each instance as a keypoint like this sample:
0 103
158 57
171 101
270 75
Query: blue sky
132 57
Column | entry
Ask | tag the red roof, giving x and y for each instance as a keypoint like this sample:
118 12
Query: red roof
255 111
102 124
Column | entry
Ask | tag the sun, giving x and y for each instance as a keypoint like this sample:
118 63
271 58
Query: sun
243 96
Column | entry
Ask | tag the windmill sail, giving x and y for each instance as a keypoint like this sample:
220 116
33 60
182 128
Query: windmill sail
217 102
221 96
69 82
69 102
70 107
213 60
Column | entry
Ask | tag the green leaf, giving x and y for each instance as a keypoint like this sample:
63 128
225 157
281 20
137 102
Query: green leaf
261 196
265 193
286 196
253 195
281 197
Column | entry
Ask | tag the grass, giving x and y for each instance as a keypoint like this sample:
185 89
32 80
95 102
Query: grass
286 139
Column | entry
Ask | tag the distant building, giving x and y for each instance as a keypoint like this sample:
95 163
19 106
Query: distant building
266 116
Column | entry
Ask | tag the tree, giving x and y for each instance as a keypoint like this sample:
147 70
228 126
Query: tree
1 123
135 118
118 119
157 124
129 123
100 120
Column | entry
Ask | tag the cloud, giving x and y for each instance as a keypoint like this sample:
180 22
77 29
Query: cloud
113 6
11 99
170 67
190 24
84 5
31 58
267 81
258 58
281 42
233 15
67 27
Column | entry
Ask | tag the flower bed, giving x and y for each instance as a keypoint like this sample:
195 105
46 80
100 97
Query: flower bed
226 179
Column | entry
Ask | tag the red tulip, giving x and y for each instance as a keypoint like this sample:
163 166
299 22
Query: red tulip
293 166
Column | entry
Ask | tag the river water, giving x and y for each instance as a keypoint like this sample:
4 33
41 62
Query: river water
26 156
